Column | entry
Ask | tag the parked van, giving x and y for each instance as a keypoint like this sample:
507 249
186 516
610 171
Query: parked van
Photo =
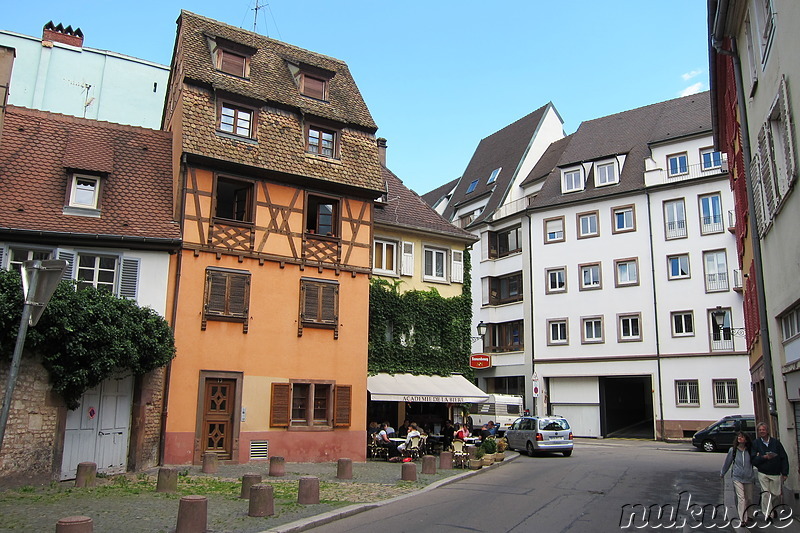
721 434
502 409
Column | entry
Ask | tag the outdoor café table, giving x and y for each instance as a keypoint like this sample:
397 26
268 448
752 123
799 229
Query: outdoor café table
432 441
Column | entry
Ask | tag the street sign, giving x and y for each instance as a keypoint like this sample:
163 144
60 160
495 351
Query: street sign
535 388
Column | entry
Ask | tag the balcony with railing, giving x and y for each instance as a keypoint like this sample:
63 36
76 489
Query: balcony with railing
722 342
675 229
717 281
711 223
688 172
737 281
512 207
732 221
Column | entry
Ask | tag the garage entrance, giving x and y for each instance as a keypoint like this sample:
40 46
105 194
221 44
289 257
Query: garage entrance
626 407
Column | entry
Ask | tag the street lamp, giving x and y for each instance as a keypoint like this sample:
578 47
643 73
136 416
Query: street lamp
481 331
39 281
718 315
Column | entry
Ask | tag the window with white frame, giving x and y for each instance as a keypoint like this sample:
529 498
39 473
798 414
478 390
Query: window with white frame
493 175
682 323
629 327
472 186
235 119
710 159
592 330
385 257
711 214
721 336
764 14
557 331
726 393
556 280
687 393
674 219
98 271
626 272
624 219
716 267
790 324
18 255
571 180
587 225
84 191
677 164
435 264
553 230
606 174
590 276
678 266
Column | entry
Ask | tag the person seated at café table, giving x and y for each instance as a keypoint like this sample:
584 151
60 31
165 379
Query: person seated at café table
448 431
402 431
383 439
463 432
488 430
389 430
413 431
373 429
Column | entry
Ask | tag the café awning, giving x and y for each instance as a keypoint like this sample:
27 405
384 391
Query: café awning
454 388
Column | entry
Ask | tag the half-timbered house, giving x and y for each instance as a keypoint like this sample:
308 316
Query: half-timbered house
275 174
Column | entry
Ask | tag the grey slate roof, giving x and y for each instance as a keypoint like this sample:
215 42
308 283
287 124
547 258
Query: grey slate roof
548 161
432 197
405 209
630 132
504 148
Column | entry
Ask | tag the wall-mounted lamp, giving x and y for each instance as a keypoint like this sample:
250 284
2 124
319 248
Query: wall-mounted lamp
482 327
718 316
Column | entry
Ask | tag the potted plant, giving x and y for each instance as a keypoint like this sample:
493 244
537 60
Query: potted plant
502 445
489 447
477 462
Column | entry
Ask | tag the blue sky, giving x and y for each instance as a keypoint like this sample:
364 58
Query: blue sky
438 76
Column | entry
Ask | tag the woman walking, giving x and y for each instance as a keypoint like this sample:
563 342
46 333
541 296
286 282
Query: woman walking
743 475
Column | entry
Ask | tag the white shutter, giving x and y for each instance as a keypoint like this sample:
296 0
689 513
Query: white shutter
788 136
2 256
484 245
485 287
407 268
129 278
69 257
457 270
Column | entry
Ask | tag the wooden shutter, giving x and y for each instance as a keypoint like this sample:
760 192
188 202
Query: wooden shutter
280 403
342 405
407 266
238 295
329 309
2 255
232 63
766 173
129 278
788 136
457 268
227 296
69 257
319 305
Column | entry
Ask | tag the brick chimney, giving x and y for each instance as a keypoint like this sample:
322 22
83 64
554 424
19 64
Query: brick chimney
382 150
7 55
60 34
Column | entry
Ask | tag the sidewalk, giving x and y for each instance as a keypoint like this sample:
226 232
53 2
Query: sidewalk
131 500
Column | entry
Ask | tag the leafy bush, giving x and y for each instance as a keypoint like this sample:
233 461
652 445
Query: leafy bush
489 445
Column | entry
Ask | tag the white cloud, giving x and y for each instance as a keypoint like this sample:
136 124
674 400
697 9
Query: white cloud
689 75
692 89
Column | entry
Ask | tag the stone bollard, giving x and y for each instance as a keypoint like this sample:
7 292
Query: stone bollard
409 472
344 469
167 479
277 466
428 464
308 492
248 480
446 461
87 475
262 501
75 524
210 463
192 514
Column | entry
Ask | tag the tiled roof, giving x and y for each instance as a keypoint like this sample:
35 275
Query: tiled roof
404 208
270 78
504 148
432 197
630 132
548 161
37 148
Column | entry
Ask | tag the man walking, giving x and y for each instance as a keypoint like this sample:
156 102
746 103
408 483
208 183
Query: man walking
772 463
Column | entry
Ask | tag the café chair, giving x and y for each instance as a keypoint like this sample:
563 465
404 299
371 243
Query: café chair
459 453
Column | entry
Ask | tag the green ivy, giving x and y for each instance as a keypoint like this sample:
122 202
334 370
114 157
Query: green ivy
419 332
86 336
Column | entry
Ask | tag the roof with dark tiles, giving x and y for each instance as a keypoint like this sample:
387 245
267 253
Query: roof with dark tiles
503 149
630 133
37 150
405 208
432 197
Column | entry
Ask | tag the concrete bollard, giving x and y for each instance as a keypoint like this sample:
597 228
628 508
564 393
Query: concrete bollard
192 515
87 475
248 480
262 501
446 461
277 466
409 472
344 469
167 479
75 524
210 463
428 464
308 492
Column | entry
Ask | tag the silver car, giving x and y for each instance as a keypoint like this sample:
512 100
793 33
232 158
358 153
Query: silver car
540 434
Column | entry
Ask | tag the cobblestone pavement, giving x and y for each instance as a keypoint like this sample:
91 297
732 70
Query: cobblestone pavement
130 504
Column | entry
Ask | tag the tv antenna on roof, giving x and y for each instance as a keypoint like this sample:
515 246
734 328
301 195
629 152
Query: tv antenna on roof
255 15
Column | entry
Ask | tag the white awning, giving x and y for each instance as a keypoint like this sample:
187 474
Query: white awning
454 388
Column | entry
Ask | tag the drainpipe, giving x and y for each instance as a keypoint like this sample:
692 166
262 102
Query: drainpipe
534 410
655 318
766 351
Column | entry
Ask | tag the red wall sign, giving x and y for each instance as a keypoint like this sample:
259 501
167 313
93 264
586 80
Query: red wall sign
480 360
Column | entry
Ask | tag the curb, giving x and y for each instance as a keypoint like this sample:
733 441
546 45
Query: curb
331 516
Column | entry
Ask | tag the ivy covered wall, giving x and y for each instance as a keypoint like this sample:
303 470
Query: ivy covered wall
419 332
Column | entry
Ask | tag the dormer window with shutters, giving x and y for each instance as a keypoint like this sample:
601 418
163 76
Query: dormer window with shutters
232 58
571 180
312 81
227 296
319 305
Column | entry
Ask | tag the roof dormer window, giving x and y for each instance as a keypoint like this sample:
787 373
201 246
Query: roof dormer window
493 175
571 180
472 186
606 173
83 195
313 86
232 58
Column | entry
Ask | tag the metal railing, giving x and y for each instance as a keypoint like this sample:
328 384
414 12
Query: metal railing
717 282
737 280
689 172
711 224
512 207
731 219
676 229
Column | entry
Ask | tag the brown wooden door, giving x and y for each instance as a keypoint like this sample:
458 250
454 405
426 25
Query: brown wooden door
218 417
